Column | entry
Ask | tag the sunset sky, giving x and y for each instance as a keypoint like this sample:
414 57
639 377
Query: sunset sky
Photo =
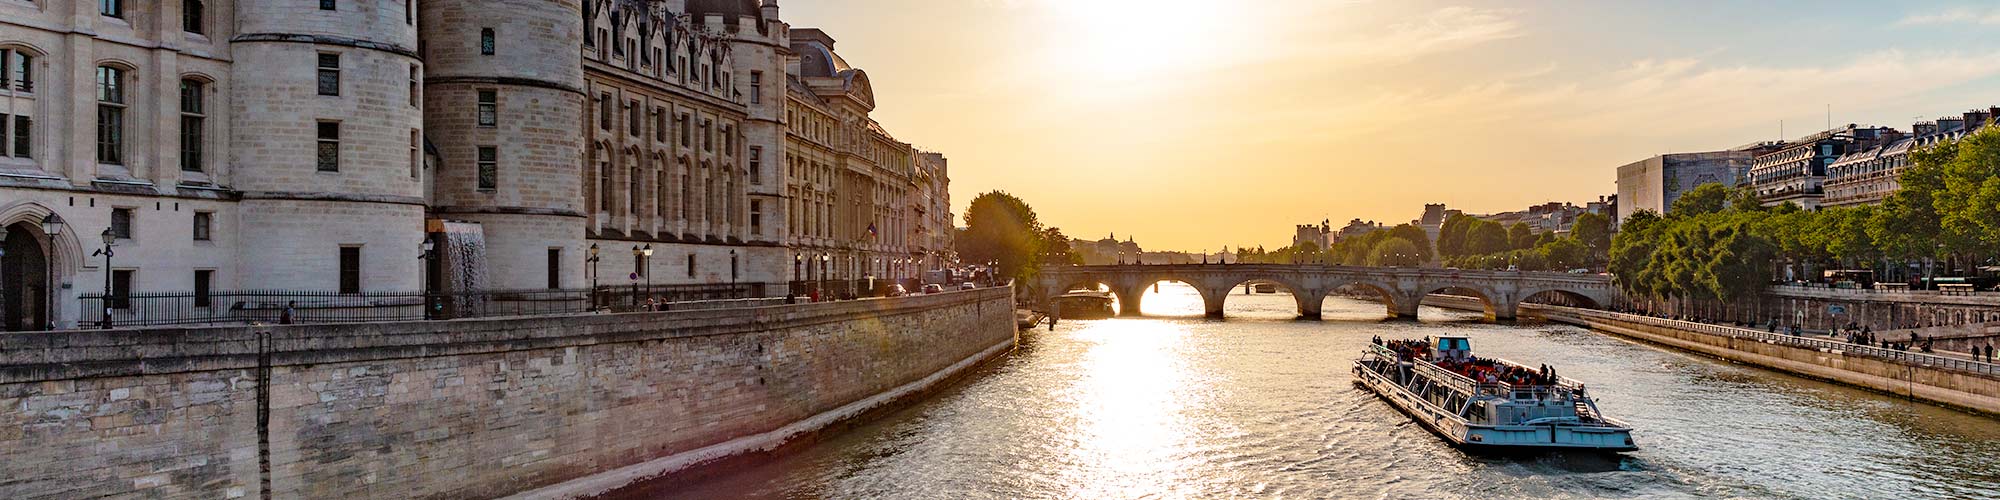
1198 124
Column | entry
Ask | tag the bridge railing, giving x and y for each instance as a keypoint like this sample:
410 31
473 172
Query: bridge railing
1914 358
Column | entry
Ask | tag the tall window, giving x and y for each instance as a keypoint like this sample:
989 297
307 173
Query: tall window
416 85
110 115
756 87
555 268
191 17
204 224
757 217
604 111
660 190
121 223
632 120
121 289
204 284
410 12
707 135
489 168
660 124
350 269
23 142
489 108
329 147
690 265
416 154
111 8
603 180
17 70
632 187
687 133
486 41
329 74
194 119
756 165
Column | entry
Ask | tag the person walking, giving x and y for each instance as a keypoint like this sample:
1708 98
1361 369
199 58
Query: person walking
291 310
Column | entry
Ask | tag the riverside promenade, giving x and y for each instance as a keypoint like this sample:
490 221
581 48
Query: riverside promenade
1948 380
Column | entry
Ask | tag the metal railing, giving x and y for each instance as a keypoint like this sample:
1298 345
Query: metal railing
1915 358
318 307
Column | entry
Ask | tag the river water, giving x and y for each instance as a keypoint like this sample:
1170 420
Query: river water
1261 406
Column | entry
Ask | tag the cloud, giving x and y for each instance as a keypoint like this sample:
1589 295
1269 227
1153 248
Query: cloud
1959 15
1443 30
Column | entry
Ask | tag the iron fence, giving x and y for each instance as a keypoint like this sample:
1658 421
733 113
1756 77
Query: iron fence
309 306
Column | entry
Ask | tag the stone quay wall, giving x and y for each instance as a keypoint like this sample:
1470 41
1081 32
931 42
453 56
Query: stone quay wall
461 409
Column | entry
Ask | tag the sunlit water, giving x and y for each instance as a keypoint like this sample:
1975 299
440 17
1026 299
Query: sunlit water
1261 406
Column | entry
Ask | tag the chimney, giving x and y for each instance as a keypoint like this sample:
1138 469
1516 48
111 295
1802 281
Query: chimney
1921 129
1976 119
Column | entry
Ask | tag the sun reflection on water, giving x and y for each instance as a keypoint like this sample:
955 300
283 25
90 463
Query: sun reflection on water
1131 411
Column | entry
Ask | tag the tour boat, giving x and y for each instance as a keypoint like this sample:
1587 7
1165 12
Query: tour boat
1084 304
1430 382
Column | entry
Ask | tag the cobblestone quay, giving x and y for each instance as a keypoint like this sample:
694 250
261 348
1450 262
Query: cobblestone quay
460 409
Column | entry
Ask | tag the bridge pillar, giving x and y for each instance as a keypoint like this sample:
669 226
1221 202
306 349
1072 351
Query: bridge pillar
1406 304
1212 299
1504 310
1128 299
1310 301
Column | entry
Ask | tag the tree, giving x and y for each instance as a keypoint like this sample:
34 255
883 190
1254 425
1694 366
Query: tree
1632 251
1486 237
1704 199
1451 236
1415 235
1055 249
1563 254
1594 232
1000 227
1520 236
1395 252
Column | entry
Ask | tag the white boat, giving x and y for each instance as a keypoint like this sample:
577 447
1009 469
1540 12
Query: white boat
1428 382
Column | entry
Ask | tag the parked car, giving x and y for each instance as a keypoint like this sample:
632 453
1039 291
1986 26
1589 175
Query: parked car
967 286
898 291
933 288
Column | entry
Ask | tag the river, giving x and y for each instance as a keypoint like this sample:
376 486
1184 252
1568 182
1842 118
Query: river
1261 406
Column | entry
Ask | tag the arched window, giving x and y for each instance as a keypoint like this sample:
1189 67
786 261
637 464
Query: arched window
194 123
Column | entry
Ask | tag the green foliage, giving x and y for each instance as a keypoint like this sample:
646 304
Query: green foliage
1415 235
1520 236
1395 251
1000 227
1486 237
1704 199
1451 237
1594 231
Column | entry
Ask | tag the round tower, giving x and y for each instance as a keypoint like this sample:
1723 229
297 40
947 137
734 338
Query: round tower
505 105
326 145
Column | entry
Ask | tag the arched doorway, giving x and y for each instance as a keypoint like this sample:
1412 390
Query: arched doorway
24 280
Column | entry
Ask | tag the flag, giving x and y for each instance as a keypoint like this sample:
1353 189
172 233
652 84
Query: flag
871 230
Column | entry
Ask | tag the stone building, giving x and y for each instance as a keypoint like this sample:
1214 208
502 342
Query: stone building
1868 176
354 147
1319 236
1796 172
853 187
1654 183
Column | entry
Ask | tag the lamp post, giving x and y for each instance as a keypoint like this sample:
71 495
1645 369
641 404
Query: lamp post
824 261
798 263
732 273
646 267
110 240
426 254
590 266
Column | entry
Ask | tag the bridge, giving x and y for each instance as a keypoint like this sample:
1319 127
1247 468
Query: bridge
1401 288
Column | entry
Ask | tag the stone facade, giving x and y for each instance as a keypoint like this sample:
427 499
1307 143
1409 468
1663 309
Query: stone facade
1869 175
258 141
1654 183
469 409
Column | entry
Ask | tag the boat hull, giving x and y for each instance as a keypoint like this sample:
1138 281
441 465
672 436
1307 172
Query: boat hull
1493 439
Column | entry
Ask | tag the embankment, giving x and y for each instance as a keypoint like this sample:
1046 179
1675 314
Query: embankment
539 406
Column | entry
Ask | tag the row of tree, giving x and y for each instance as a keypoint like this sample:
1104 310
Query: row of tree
1472 243
1002 230
1717 243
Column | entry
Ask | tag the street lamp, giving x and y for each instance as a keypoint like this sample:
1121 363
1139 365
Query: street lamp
425 255
110 240
825 260
52 225
590 265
